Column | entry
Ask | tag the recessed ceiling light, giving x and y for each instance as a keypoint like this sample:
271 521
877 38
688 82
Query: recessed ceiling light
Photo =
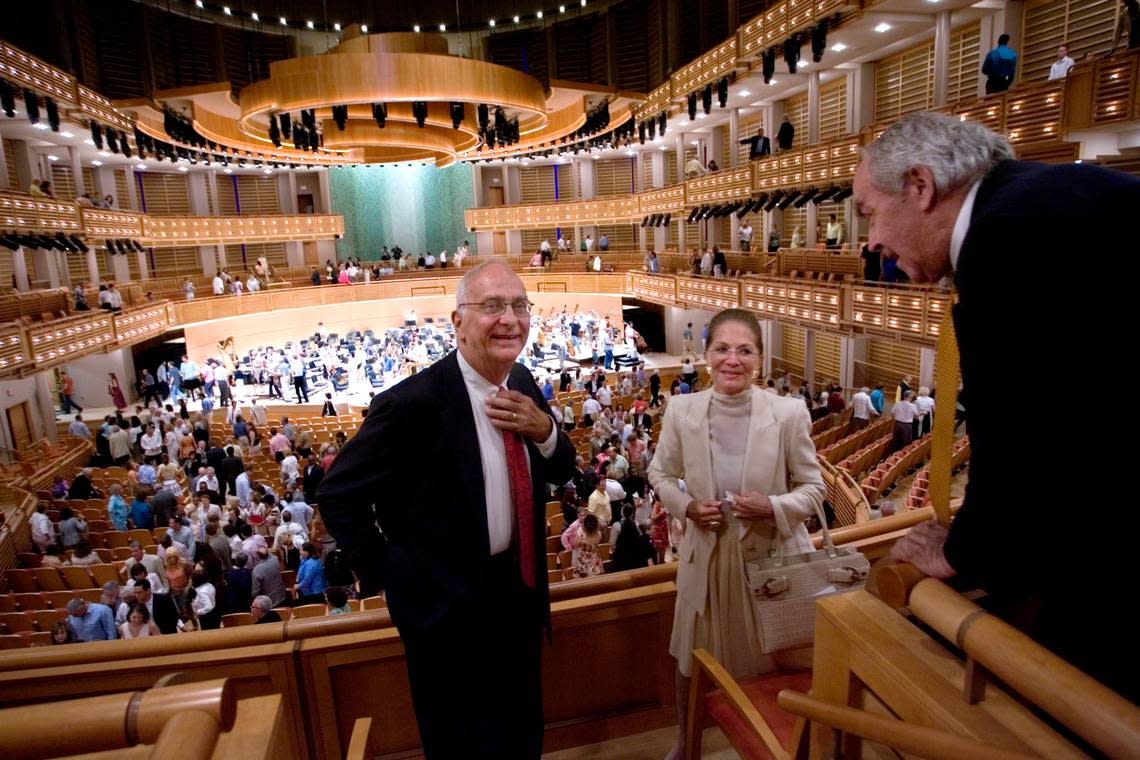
631 152
538 15
744 93
104 154
774 81
685 123
804 64
226 10
336 27
416 28
838 47
228 170
583 3
96 162
254 16
702 115
89 141
68 135
183 168
694 142
883 27
284 22
309 24
443 27
40 125
562 9
364 28
516 19
492 23
53 157
268 171
662 147
141 167
199 3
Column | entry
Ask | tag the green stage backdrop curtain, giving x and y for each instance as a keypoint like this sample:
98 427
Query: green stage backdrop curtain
419 208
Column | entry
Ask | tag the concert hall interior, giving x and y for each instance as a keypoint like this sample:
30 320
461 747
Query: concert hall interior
322 323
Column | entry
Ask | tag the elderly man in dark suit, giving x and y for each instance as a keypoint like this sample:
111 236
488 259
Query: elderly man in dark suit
455 535
945 197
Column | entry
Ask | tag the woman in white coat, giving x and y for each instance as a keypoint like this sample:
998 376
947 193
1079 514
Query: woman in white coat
731 439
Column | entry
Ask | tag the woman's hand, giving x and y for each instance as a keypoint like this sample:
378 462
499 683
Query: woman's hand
751 505
704 512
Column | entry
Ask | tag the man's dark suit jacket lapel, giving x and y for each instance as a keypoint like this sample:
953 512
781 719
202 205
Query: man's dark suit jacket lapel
458 426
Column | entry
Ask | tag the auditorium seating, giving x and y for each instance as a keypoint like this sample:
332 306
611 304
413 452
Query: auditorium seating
856 439
886 474
918 495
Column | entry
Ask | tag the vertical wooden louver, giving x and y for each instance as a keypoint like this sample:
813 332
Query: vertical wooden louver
904 82
614 176
833 109
631 44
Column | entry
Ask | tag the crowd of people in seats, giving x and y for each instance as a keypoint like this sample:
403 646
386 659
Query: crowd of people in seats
224 538
390 261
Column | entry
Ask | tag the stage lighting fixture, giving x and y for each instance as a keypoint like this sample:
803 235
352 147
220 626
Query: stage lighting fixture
706 99
274 132
78 243
52 113
112 141
340 116
285 125
641 133
842 195
792 52
768 60
818 40
823 195
773 199
692 103
806 196
661 122
652 129
32 106
380 114
8 243
457 114
692 216
7 98
124 144
787 199
722 91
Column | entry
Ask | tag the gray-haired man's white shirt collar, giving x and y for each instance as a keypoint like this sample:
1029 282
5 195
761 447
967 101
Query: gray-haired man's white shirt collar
962 225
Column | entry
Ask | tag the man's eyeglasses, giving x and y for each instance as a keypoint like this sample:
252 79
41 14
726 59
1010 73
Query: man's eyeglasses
493 307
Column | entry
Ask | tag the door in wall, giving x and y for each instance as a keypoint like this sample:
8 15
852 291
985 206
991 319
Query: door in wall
20 424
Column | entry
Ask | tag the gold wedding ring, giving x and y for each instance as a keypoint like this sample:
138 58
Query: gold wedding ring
515 418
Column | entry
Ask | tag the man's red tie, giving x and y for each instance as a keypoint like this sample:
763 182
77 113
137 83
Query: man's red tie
524 503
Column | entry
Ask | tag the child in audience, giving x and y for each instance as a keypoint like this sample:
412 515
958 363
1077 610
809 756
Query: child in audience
337 600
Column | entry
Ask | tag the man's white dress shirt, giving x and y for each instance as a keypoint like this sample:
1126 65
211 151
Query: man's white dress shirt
493 456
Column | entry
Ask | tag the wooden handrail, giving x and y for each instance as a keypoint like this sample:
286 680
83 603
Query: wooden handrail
896 734
186 736
114 721
1086 707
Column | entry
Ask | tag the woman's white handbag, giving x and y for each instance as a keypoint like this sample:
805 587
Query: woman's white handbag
784 589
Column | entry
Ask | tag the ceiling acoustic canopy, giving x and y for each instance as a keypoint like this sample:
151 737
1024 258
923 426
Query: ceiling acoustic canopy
397 97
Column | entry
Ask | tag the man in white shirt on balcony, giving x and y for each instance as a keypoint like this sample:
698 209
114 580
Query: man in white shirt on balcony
1061 66
862 408
219 285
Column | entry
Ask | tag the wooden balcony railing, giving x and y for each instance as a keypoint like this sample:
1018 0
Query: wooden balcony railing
24 213
913 313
